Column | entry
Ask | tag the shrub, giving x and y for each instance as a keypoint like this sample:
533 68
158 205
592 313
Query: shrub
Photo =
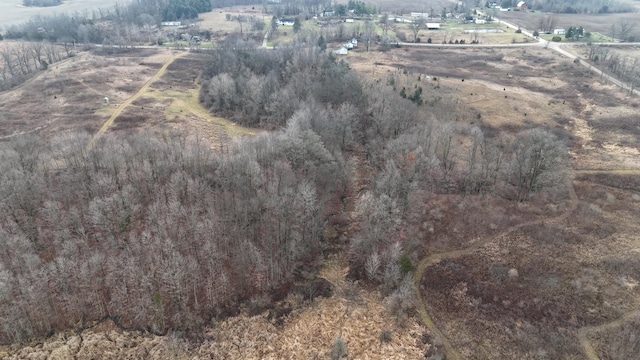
556 39
405 264
386 335
401 302
338 349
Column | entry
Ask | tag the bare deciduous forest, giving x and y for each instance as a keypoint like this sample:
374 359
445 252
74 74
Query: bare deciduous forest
158 232
492 217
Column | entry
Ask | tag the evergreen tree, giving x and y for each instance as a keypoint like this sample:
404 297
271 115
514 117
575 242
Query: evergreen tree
322 44
296 25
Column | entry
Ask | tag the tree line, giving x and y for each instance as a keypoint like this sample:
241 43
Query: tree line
18 61
84 28
625 68
41 3
572 6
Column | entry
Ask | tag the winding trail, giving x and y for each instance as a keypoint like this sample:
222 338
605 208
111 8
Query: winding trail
584 331
133 98
450 351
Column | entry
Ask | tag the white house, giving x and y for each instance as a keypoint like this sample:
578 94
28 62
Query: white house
402 20
348 20
286 22
170 23
480 21
354 41
433 26
559 31
419 15
348 45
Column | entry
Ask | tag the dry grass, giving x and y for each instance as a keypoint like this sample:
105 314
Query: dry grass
591 22
216 20
69 96
307 333
527 295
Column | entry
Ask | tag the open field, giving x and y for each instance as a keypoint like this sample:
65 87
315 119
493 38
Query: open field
523 282
487 33
406 6
70 96
12 12
591 22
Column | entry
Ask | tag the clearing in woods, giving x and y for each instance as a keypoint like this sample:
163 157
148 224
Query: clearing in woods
139 93
180 102
147 88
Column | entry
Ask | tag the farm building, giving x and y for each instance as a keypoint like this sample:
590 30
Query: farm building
559 31
170 23
521 6
419 15
480 21
433 26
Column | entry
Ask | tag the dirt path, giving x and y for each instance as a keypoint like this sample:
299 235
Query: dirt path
133 98
450 351
584 331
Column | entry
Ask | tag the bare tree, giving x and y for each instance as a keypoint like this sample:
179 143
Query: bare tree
384 22
624 27
538 161
547 23
369 34
417 25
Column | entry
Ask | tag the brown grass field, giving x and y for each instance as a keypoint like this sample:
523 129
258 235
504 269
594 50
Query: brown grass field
592 22
527 287
70 97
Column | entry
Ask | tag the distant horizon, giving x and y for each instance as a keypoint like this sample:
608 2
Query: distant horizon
13 13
